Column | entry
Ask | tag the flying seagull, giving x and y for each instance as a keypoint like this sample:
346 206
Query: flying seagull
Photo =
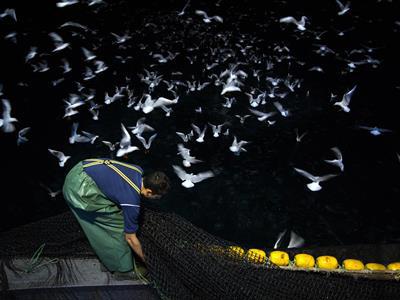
314 185
206 18
344 104
62 158
338 161
188 180
300 24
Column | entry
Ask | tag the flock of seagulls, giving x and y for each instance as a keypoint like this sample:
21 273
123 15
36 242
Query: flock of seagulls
240 72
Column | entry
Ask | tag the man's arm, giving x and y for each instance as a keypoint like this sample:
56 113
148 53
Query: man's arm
134 242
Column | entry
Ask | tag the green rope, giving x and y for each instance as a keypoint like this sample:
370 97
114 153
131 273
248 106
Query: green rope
36 261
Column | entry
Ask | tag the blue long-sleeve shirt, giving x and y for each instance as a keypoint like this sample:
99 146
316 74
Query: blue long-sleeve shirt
118 190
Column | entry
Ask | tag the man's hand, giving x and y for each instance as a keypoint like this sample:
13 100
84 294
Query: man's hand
134 243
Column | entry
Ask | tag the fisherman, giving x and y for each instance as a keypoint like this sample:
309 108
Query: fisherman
104 195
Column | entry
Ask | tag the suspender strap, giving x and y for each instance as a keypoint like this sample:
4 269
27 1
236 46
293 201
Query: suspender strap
108 163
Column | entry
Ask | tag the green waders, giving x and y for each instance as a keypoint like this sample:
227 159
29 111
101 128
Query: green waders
101 220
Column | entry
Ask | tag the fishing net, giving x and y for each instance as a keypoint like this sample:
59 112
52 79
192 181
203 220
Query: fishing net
185 262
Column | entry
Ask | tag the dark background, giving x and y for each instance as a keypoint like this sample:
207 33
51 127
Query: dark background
256 195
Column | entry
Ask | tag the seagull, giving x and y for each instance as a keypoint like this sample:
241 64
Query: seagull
88 54
62 158
237 147
146 144
9 12
110 145
339 159
51 193
216 129
185 137
344 104
58 42
200 133
231 86
242 118
187 159
296 241
279 107
343 8
300 24
64 3
190 179
141 127
149 104
314 185
7 122
375 130
21 135
261 116
279 239
300 137
78 138
32 53
206 18
125 143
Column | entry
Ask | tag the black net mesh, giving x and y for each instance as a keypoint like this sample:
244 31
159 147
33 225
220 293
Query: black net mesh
186 262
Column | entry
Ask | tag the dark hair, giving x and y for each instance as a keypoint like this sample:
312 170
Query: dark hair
157 181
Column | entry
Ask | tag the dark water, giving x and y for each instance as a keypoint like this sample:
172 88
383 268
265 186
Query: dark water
253 196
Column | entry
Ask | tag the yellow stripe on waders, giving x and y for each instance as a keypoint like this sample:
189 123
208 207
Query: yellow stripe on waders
107 162
101 161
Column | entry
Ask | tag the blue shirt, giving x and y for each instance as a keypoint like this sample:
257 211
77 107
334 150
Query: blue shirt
118 190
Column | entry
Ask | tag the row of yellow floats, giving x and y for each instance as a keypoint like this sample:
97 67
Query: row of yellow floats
307 261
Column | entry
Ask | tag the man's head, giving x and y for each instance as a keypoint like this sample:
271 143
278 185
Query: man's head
155 185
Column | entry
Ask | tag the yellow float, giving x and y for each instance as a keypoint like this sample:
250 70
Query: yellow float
353 264
303 260
236 250
375 267
279 258
256 256
327 262
395 266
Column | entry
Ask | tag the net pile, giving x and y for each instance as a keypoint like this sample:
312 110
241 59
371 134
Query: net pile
186 262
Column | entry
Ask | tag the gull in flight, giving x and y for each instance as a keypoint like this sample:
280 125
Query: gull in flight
339 159
62 158
300 137
216 129
125 146
7 122
21 135
78 138
146 144
237 147
343 8
279 239
182 12
188 180
261 116
185 137
149 104
188 160
58 42
375 130
242 118
295 241
9 12
206 18
88 54
344 104
282 111
64 3
51 193
110 145
200 133
314 185
300 24
141 127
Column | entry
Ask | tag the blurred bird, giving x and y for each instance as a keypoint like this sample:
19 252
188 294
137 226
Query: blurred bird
295 241
339 159
314 185
206 18
188 180
140 127
125 146
9 12
188 160
58 42
6 123
237 147
300 137
21 136
200 133
64 3
344 104
343 8
51 193
146 144
375 130
62 158
300 24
